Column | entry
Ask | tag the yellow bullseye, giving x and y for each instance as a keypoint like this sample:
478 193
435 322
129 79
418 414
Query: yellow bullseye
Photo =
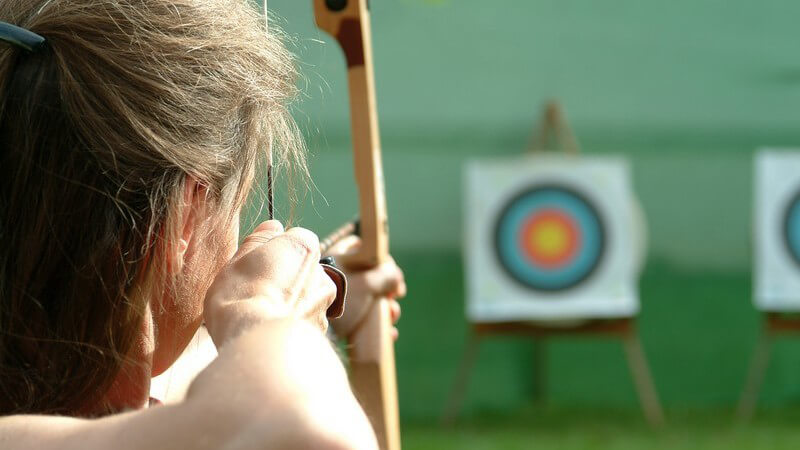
549 239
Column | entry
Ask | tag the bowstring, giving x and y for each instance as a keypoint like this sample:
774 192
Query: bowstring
270 179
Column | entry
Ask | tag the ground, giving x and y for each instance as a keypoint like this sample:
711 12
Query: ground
698 331
537 428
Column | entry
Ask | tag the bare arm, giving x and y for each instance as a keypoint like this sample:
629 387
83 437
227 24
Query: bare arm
277 382
253 396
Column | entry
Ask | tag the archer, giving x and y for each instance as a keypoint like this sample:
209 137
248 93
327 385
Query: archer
132 132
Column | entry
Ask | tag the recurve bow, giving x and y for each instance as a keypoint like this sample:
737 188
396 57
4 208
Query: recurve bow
371 346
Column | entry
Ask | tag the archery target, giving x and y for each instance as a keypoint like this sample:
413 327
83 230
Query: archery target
777 230
549 237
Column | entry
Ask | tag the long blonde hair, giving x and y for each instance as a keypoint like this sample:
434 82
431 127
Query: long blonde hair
98 131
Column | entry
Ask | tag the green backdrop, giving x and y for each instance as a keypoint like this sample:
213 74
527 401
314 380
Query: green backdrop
686 89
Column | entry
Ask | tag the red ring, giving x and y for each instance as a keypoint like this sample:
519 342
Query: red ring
564 221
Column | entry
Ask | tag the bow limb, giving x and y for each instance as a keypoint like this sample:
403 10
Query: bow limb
372 363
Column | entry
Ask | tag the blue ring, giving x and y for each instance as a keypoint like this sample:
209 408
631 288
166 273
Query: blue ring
576 206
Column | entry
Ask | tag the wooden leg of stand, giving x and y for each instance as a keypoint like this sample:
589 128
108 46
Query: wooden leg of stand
642 379
755 376
462 378
539 369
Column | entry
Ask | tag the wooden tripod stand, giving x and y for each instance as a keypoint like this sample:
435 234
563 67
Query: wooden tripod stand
554 126
624 329
773 326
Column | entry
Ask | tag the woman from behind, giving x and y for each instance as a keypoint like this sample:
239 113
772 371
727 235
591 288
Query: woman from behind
129 140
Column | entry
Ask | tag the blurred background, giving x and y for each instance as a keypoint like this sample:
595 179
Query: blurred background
687 90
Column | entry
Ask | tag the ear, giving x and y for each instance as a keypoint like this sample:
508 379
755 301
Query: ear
192 208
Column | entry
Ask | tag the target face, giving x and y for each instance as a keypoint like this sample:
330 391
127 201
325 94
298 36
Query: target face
551 238
791 228
776 220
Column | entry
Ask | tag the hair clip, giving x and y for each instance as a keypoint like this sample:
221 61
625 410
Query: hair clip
22 38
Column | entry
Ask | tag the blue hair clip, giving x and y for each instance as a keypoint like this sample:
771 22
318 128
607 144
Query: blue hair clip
20 37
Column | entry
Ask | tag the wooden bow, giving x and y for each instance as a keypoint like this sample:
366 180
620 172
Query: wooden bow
371 349
371 346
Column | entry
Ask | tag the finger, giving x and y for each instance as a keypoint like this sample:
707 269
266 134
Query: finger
269 225
288 259
396 289
402 290
324 290
304 245
306 239
348 245
317 298
262 234
395 333
395 310
386 280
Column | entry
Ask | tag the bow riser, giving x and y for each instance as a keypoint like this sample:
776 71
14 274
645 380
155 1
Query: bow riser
351 28
371 352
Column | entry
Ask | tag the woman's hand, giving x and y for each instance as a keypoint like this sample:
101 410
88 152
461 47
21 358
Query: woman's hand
275 274
364 287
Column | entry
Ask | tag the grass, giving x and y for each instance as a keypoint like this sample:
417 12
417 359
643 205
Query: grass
698 331
539 428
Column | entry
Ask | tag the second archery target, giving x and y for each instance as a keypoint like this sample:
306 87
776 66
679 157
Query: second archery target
791 227
550 237
777 231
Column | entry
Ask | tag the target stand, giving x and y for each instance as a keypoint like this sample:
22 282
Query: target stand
554 244
774 326
777 262
623 329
